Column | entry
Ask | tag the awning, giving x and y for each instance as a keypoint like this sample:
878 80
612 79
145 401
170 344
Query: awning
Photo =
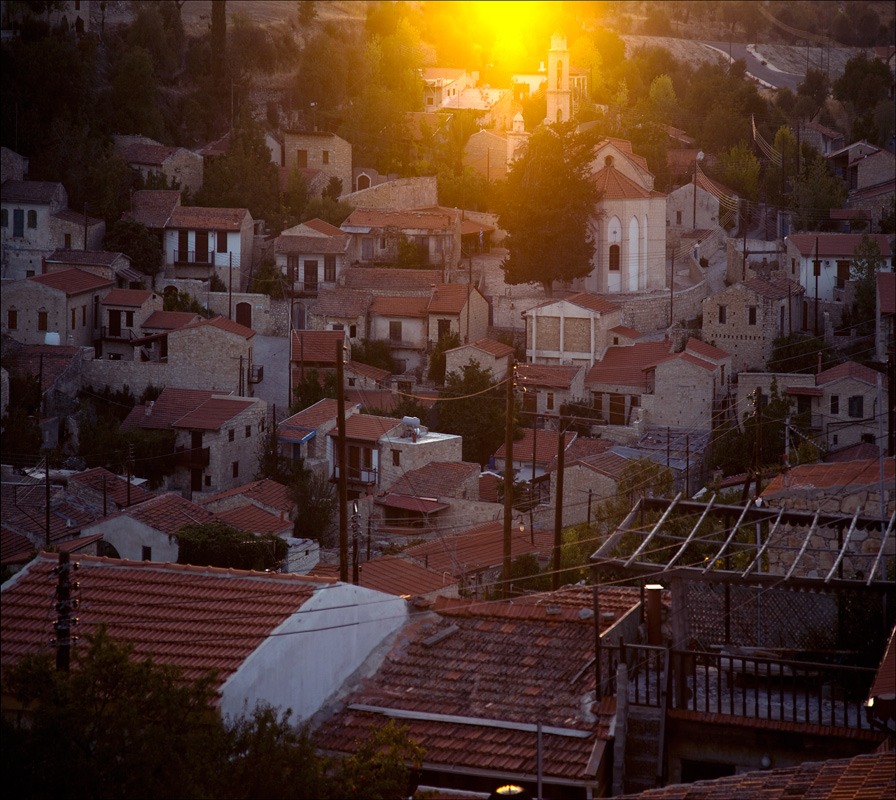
419 504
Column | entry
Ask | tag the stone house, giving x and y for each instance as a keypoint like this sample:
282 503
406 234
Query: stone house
103 489
376 233
493 357
587 481
221 147
365 452
538 447
35 221
443 85
885 307
265 494
13 166
66 303
410 447
201 242
363 377
216 441
395 282
302 437
182 168
311 256
402 322
459 309
823 139
340 310
715 204
573 330
842 402
314 350
549 388
114 266
153 208
745 319
491 151
124 311
320 156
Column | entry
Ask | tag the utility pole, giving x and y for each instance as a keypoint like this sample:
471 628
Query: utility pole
816 264
758 441
508 480
356 532
672 290
130 459
558 508
64 607
340 466
47 496
229 287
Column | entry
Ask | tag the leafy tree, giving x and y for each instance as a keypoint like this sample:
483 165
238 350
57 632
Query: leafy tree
437 357
307 12
866 262
22 438
137 242
333 189
216 544
815 86
219 46
411 255
815 192
546 208
373 353
269 280
312 388
157 28
740 169
134 97
329 210
184 301
526 575
864 83
644 477
798 352
315 495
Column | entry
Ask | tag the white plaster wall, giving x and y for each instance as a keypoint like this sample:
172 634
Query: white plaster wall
129 536
310 655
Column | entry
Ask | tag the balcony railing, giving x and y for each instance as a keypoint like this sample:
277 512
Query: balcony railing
121 335
194 257
256 373
365 475
193 457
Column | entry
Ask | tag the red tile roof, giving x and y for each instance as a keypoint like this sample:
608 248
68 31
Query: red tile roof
93 258
323 227
704 350
626 365
175 613
409 281
436 479
127 297
836 244
169 320
266 491
315 347
884 685
72 281
616 186
31 192
153 207
214 219
405 219
827 476
296 244
629 333
546 443
23 510
387 400
609 464
478 548
488 487
171 405
213 414
392 575
219 147
100 480
860 451
497 349
155 154
368 427
692 359
774 288
886 289
11 544
407 503
582 448
584 299
47 361
312 417
450 298
554 376
366 371
864 777
399 306
255 519
340 303
167 513
224 324
849 369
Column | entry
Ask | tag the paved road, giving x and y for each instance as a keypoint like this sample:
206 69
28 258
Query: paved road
755 66
273 352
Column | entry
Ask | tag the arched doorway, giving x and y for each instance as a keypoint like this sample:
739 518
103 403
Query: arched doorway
363 182
244 314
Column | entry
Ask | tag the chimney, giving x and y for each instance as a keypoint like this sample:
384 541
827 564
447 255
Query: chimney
654 614
147 409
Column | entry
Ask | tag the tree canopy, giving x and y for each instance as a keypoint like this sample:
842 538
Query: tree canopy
216 544
547 205
137 242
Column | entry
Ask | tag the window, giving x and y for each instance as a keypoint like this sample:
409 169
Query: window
382 243
599 403
429 101
678 218
444 328
230 435
351 382
4 218
396 458
330 268
292 266
222 242
615 340
248 431
302 159
18 222
73 318
614 257
42 320
84 315
842 274
208 480
325 156
146 553
835 404
751 315
868 438
96 312
32 219
367 248
12 319
793 266
311 276
723 315
395 331
856 406
129 318
550 403
352 331
68 241
235 469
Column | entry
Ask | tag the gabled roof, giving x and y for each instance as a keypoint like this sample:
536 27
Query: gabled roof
102 481
416 281
312 417
214 219
628 333
691 359
392 575
406 219
836 244
581 449
154 154
167 513
399 306
266 491
704 350
584 300
367 427
625 365
490 346
23 510
221 323
419 505
616 186
168 320
436 479
886 288
213 413
254 519
450 298
606 463
323 227
31 192
774 288
848 369
327 245
828 476
343 303
91 258
546 443
153 207
46 361
218 147
127 297
72 281
173 612
554 376
171 405
366 371
315 347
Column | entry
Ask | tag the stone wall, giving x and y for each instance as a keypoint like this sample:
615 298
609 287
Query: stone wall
577 481
400 193
651 312
759 265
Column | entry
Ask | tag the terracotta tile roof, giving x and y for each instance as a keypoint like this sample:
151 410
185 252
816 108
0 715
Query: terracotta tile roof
584 299
849 369
860 451
167 513
417 281
472 227
314 416
774 288
405 219
368 427
497 349
168 320
340 303
127 297
30 192
366 371
886 288
714 187
805 391
450 298
255 519
436 479
626 365
884 685
155 154
399 306
101 480
408 503
315 347
697 362
80 544
478 548
392 575
214 219
836 244
175 613
616 186
213 413
864 777
11 544
72 281
323 227
224 324
554 376
629 333
828 476
219 147
582 448
266 491
387 400
23 510
545 446
488 487
290 243
607 463
171 405
26 359
153 207
704 350
681 160
91 258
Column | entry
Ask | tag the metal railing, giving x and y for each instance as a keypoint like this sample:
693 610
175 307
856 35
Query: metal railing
206 257
357 474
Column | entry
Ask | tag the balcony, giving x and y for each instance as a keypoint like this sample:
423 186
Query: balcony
362 475
203 257
117 334
256 373
192 457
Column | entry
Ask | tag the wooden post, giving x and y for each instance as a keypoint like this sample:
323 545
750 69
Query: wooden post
508 481
340 465
558 509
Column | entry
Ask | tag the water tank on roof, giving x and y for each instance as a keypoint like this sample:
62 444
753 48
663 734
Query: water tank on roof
51 337
410 422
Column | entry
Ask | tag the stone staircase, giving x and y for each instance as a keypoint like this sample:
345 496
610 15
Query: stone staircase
642 748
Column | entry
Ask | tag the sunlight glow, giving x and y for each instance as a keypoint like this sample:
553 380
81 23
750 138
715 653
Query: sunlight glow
512 23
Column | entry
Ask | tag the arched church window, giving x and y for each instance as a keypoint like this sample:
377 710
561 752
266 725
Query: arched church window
614 257
609 161
559 74
559 115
